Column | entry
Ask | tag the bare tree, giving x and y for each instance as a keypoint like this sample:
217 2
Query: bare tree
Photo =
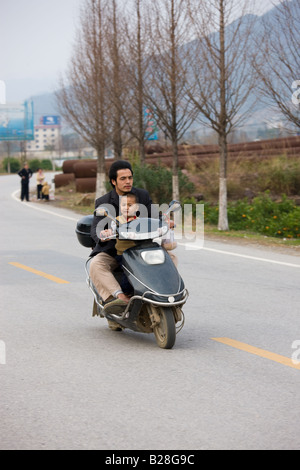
115 75
222 78
82 97
278 59
167 73
134 66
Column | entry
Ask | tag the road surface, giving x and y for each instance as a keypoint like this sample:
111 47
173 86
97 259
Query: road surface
68 382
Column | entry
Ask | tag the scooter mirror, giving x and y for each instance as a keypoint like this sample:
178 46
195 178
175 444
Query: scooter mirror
101 212
175 206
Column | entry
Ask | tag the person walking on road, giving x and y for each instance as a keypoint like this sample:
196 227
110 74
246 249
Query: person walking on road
25 175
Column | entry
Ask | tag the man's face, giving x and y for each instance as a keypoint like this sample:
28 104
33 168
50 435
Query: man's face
124 182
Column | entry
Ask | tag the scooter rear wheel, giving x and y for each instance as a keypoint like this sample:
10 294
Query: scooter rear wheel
165 331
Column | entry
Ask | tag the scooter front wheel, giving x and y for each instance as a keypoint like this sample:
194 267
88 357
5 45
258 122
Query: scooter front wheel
165 331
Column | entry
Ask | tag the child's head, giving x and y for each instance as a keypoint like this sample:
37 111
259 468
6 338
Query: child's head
129 205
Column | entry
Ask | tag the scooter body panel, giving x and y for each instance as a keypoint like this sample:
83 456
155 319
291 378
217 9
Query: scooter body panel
156 281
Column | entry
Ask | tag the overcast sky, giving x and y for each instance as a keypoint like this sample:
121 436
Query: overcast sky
36 43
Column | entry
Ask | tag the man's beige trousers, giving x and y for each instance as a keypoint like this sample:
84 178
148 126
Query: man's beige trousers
101 274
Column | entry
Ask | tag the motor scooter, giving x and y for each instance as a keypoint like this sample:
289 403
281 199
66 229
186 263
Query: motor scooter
158 291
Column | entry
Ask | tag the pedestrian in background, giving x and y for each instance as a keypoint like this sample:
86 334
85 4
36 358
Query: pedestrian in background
25 175
40 177
45 191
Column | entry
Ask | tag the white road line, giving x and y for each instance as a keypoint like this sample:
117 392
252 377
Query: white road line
240 255
253 257
188 245
35 207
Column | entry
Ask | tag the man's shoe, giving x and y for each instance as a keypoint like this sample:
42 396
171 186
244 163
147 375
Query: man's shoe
115 307
114 326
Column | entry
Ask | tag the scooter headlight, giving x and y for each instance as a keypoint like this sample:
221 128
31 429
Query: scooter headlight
153 256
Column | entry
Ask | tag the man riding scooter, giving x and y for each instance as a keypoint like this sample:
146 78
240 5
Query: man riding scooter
104 263
104 254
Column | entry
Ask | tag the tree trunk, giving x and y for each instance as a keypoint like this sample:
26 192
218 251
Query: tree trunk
117 140
117 132
174 73
223 217
101 177
142 153
175 177
140 87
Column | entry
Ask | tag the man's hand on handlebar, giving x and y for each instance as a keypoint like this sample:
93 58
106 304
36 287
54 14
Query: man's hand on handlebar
106 234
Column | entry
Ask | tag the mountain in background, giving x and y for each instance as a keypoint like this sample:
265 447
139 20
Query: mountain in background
17 89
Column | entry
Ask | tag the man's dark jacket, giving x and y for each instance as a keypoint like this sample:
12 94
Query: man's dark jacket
112 198
25 175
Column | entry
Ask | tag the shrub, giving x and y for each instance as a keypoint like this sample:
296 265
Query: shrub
35 164
264 216
280 175
46 165
15 164
158 181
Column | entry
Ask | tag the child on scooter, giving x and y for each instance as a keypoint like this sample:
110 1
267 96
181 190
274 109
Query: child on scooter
128 207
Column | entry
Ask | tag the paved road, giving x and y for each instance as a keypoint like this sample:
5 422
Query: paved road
71 383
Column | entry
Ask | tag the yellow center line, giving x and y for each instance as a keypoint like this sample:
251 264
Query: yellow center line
259 352
40 273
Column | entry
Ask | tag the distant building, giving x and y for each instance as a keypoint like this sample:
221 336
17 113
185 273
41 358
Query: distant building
47 135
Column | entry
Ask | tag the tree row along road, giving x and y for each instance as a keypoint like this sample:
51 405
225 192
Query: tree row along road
68 382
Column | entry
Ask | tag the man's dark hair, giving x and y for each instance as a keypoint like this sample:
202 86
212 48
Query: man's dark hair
116 166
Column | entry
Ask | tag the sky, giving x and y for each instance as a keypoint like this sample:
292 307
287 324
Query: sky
36 44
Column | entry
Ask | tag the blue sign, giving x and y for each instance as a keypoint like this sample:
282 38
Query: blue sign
50 120
16 122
